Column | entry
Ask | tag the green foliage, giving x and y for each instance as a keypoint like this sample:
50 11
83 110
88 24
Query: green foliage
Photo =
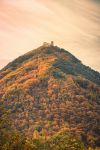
48 51
17 62
83 83
65 141
77 68
65 66
58 75
39 127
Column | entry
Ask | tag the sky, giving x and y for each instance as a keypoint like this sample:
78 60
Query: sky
72 24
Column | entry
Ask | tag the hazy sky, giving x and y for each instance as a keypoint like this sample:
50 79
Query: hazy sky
72 24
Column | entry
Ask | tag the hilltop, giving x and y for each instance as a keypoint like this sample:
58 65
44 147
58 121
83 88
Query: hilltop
50 89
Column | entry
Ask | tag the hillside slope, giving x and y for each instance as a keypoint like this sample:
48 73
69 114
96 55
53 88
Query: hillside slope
48 88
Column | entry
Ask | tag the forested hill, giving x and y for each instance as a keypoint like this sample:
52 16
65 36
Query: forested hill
48 90
69 65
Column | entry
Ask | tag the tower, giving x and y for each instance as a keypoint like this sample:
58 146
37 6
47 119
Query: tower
52 43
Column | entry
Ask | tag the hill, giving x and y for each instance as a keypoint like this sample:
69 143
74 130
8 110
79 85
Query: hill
48 89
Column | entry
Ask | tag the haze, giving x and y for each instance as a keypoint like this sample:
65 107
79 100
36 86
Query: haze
73 25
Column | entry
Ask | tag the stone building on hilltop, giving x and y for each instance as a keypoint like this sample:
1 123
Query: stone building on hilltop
45 44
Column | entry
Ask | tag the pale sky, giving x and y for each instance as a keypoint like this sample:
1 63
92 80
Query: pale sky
72 24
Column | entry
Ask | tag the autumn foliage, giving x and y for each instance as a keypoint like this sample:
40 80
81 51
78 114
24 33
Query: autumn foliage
50 95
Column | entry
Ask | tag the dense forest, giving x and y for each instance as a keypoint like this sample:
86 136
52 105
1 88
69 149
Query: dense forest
49 100
11 139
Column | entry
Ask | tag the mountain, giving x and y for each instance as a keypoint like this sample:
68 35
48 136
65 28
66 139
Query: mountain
50 89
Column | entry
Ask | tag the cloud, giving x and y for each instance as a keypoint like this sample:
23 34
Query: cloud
74 25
